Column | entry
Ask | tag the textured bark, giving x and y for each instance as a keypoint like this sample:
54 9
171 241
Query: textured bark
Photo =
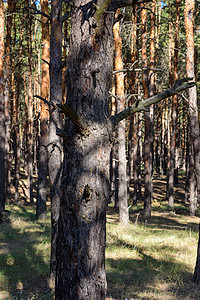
148 124
55 147
192 181
44 118
121 149
85 189
174 112
196 277
193 108
2 114
7 61
30 110
133 124
15 109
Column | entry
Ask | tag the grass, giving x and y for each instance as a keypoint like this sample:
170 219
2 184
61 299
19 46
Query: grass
154 259
150 259
24 255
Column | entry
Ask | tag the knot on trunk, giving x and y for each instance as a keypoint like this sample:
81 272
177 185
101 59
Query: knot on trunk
87 192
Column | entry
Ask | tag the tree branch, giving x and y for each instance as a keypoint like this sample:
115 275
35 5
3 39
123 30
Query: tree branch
46 61
66 16
122 3
74 117
51 105
62 133
40 12
44 100
176 88
136 70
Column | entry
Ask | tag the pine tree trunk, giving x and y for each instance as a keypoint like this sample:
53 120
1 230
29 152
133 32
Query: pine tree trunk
193 108
85 189
148 125
122 175
55 146
174 113
133 124
16 95
30 111
2 112
44 118
7 61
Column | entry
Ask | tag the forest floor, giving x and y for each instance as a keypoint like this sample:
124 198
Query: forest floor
150 259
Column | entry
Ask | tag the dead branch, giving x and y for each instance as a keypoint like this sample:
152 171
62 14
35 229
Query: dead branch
136 70
40 12
178 86
74 117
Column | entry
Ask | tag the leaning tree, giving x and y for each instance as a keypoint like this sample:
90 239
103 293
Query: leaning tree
81 241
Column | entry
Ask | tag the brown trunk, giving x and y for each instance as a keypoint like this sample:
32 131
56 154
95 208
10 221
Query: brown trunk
85 189
174 112
196 277
133 124
193 108
7 61
30 110
55 147
15 121
148 124
44 118
2 114
122 178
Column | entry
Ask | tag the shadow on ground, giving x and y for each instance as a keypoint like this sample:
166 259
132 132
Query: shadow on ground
23 268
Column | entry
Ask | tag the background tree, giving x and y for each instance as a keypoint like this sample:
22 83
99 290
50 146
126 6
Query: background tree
121 135
2 111
44 115
55 146
80 249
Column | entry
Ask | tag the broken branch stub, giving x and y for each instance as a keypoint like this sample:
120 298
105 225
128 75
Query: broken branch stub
73 115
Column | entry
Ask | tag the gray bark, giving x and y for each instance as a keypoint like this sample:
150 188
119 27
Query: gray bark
55 147
2 146
85 188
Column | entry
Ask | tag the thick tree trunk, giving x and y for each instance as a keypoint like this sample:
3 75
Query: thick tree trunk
121 149
55 147
2 113
85 189
44 115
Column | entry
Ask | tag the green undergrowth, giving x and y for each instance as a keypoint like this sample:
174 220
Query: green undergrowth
150 259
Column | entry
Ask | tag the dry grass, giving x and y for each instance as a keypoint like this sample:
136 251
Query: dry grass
151 259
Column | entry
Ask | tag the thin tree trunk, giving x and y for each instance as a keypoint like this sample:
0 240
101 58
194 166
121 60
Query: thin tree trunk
7 59
30 111
44 118
193 108
174 113
122 175
133 134
2 113
55 146
15 123
148 124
